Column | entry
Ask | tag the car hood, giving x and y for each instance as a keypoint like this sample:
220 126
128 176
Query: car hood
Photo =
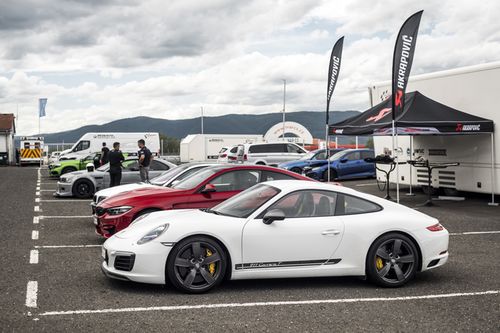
111 191
292 164
126 198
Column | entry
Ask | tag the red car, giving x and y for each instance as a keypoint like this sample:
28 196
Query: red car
203 189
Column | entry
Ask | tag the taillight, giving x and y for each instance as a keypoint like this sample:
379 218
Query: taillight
435 227
222 155
245 157
232 158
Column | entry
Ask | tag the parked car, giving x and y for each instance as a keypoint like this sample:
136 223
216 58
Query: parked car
228 154
311 159
54 157
347 164
269 153
167 179
66 166
204 189
83 184
279 229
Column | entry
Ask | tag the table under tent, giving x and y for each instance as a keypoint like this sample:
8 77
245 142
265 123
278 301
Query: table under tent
423 117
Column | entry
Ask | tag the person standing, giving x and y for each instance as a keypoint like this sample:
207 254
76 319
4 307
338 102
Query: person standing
115 158
145 158
104 154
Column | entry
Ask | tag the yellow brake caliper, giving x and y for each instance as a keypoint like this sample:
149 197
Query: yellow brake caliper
379 262
211 267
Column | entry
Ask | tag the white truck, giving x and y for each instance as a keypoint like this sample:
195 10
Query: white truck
206 147
472 90
92 143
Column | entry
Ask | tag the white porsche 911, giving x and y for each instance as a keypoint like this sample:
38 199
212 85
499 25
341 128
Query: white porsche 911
279 229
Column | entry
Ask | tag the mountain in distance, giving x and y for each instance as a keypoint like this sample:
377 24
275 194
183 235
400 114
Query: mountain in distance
314 121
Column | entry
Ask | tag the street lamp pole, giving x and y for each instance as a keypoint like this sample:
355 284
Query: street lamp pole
284 103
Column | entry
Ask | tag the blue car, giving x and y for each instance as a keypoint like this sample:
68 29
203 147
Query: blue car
312 159
347 164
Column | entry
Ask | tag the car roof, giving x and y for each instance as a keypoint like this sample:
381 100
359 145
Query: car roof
294 185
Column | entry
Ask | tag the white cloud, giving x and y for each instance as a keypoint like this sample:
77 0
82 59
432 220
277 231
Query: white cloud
165 59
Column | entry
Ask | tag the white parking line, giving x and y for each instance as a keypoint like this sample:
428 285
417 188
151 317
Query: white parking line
34 257
475 233
34 235
37 193
46 190
367 184
65 246
37 199
38 188
264 304
66 217
36 220
65 200
37 208
31 294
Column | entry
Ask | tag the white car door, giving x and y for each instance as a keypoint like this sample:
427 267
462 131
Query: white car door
307 237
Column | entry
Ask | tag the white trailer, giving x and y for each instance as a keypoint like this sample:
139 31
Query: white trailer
92 143
472 90
206 147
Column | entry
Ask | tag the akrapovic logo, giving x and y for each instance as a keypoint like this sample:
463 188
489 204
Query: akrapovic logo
334 74
403 62
468 128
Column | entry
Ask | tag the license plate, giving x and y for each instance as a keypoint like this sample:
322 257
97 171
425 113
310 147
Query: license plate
96 221
103 253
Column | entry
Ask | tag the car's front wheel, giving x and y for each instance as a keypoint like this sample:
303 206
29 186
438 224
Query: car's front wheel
392 260
83 189
333 175
296 170
196 264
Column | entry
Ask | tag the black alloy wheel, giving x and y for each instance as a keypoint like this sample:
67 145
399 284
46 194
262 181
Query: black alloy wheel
333 175
296 170
196 265
392 260
68 170
83 189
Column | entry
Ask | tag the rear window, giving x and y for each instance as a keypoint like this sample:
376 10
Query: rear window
367 154
350 205
234 150
222 150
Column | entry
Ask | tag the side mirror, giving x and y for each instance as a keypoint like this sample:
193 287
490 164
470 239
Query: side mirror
90 167
273 215
344 160
209 188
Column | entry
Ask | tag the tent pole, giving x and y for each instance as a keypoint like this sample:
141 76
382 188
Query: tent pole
327 152
411 175
393 153
397 168
357 145
493 203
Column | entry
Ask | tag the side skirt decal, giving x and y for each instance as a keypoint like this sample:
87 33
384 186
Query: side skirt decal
274 264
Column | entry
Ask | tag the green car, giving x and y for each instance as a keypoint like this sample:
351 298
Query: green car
61 167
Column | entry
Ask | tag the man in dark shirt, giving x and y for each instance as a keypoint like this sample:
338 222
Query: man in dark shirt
145 158
116 158
104 154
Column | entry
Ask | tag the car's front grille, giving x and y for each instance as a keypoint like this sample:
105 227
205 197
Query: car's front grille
125 262
100 211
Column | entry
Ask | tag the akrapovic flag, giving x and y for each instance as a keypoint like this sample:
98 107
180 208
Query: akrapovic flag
403 58
42 102
333 73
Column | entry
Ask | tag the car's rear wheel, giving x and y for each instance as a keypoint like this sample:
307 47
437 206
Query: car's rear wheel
196 265
83 189
296 170
68 170
333 175
392 260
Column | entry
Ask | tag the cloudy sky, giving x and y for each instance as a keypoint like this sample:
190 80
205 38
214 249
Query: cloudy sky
101 60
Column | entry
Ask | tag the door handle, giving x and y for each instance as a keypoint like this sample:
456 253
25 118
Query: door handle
330 232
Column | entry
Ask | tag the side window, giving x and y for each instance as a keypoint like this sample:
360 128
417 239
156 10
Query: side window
270 175
307 204
238 180
234 150
320 156
367 154
155 165
82 145
131 165
353 156
256 149
223 149
349 205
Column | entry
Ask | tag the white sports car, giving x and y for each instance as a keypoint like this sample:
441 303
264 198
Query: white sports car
279 229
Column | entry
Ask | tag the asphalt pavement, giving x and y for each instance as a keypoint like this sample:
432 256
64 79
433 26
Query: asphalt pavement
73 295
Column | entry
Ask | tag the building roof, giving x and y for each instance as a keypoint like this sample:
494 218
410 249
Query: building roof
7 122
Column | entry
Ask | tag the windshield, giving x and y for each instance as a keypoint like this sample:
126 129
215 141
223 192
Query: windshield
167 175
308 156
246 202
338 155
195 179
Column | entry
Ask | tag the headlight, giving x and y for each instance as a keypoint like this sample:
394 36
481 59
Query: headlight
66 179
56 165
140 218
155 233
119 210
316 169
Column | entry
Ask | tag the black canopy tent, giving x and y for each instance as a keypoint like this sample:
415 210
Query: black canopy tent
421 116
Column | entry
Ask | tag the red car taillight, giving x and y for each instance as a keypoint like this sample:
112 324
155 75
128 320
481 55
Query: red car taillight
435 227
232 158
245 157
222 155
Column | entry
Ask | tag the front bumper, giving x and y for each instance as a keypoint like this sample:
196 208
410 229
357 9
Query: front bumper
148 265
312 175
108 225
64 190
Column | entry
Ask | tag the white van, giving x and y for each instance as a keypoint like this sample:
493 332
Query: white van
92 143
272 153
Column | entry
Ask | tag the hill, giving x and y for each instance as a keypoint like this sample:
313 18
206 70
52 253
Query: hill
314 121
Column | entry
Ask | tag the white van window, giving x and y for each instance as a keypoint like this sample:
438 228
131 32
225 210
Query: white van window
268 148
82 145
295 149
